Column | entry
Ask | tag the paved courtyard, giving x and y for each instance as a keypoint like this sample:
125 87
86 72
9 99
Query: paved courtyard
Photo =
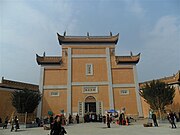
101 129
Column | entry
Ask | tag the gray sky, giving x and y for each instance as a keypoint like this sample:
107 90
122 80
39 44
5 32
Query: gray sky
149 27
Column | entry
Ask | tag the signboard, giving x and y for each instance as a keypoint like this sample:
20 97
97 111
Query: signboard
90 89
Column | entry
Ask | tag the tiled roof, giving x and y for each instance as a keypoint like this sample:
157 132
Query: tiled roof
128 59
43 60
174 79
17 85
87 39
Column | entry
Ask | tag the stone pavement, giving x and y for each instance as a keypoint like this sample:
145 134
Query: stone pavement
101 129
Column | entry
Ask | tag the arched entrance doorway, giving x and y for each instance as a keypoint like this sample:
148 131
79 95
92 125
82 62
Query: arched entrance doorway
90 104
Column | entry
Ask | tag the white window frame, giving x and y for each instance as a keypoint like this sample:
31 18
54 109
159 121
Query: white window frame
124 92
54 95
89 71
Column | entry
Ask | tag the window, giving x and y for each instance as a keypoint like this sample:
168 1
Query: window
124 92
89 69
54 93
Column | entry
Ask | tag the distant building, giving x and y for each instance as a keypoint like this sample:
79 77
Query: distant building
6 88
171 80
89 78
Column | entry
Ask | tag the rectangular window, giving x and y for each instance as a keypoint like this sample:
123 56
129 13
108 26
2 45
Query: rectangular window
124 92
54 93
89 69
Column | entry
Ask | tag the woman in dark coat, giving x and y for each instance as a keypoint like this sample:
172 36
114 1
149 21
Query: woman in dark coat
120 119
154 120
108 121
57 129
77 118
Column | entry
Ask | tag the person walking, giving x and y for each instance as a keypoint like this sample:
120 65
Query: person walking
16 121
38 121
5 122
104 119
108 121
77 118
176 117
154 120
120 119
12 124
51 120
171 119
70 119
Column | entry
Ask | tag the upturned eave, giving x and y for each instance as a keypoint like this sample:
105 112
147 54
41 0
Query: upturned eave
48 60
128 59
87 39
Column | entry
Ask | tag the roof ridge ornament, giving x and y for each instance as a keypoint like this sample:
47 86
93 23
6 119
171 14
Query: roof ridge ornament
64 33
88 34
44 54
110 33
2 79
131 53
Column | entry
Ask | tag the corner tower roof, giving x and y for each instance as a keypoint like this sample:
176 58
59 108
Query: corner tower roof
45 60
128 59
87 39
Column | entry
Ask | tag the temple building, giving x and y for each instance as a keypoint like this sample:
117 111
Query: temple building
6 89
174 81
88 78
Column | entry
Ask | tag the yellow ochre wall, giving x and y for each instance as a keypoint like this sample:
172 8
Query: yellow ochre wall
55 77
54 103
126 101
6 108
88 51
79 70
121 74
176 103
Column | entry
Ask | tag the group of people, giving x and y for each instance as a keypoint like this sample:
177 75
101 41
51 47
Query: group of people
124 120
172 118
14 123
92 117
70 119
5 122
57 122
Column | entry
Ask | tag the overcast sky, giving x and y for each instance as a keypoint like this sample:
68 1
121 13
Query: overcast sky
149 27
